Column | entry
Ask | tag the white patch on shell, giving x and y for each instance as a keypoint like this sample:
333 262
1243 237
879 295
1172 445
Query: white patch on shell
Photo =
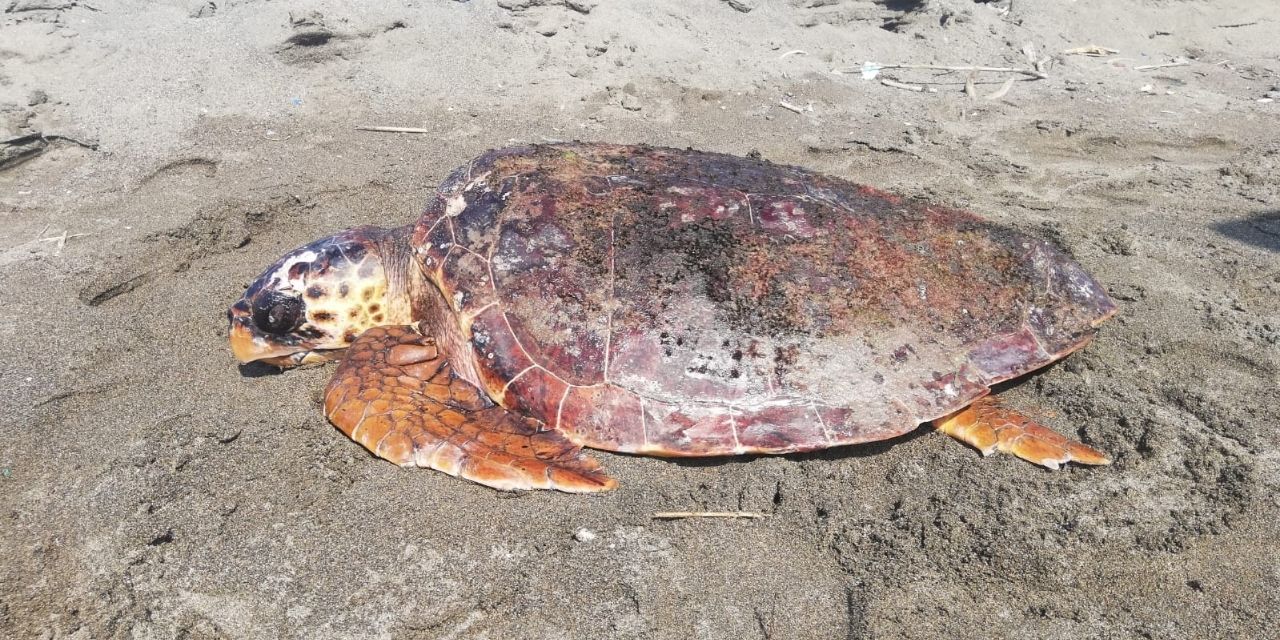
1081 284
1047 330
791 220
842 371
625 180
481 180
455 206
500 264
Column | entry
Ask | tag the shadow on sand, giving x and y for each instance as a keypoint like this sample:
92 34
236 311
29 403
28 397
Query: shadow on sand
1260 230
861 450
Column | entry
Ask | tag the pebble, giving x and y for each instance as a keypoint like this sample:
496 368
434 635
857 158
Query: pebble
547 28
630 102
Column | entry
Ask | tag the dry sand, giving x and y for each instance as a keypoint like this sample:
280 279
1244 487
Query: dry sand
149 490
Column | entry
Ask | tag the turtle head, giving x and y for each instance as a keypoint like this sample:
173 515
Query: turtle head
317 299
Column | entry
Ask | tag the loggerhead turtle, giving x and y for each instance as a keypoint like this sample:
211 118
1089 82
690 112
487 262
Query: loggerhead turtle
671 303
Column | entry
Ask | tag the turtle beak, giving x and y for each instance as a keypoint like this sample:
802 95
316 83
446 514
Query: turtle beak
245 345
248 348
242 346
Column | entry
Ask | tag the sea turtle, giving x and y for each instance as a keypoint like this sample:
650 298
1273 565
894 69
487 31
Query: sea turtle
671 303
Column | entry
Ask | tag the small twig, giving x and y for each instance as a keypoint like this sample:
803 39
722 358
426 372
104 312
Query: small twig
63 237
60 240
1180 62
793 52
936 67
392 129
92 146
900 85
1090 50
45 138
680 515
790 107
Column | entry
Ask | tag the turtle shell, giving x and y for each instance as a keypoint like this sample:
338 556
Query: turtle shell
674 302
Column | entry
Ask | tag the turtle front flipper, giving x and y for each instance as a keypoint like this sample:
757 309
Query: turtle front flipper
986 425
396 395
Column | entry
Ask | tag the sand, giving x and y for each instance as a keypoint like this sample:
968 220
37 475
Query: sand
148 489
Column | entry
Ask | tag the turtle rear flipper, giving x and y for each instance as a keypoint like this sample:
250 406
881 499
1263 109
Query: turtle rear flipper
395 395
987 426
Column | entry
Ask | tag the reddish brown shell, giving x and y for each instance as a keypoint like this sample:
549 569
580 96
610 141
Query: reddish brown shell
674 302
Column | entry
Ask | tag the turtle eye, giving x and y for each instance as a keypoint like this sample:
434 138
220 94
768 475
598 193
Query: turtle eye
277 314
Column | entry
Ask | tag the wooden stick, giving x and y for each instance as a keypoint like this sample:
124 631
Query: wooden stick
900 85
1090 50
790 107
392 129
46 137
1176 63
936 67
679 515
62 239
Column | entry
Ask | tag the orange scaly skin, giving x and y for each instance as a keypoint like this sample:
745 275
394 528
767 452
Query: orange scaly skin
395 395
987 426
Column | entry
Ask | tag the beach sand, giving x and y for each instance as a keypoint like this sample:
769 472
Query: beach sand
148 489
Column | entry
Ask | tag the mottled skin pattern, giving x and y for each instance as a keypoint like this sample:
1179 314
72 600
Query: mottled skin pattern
692 304
319 299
